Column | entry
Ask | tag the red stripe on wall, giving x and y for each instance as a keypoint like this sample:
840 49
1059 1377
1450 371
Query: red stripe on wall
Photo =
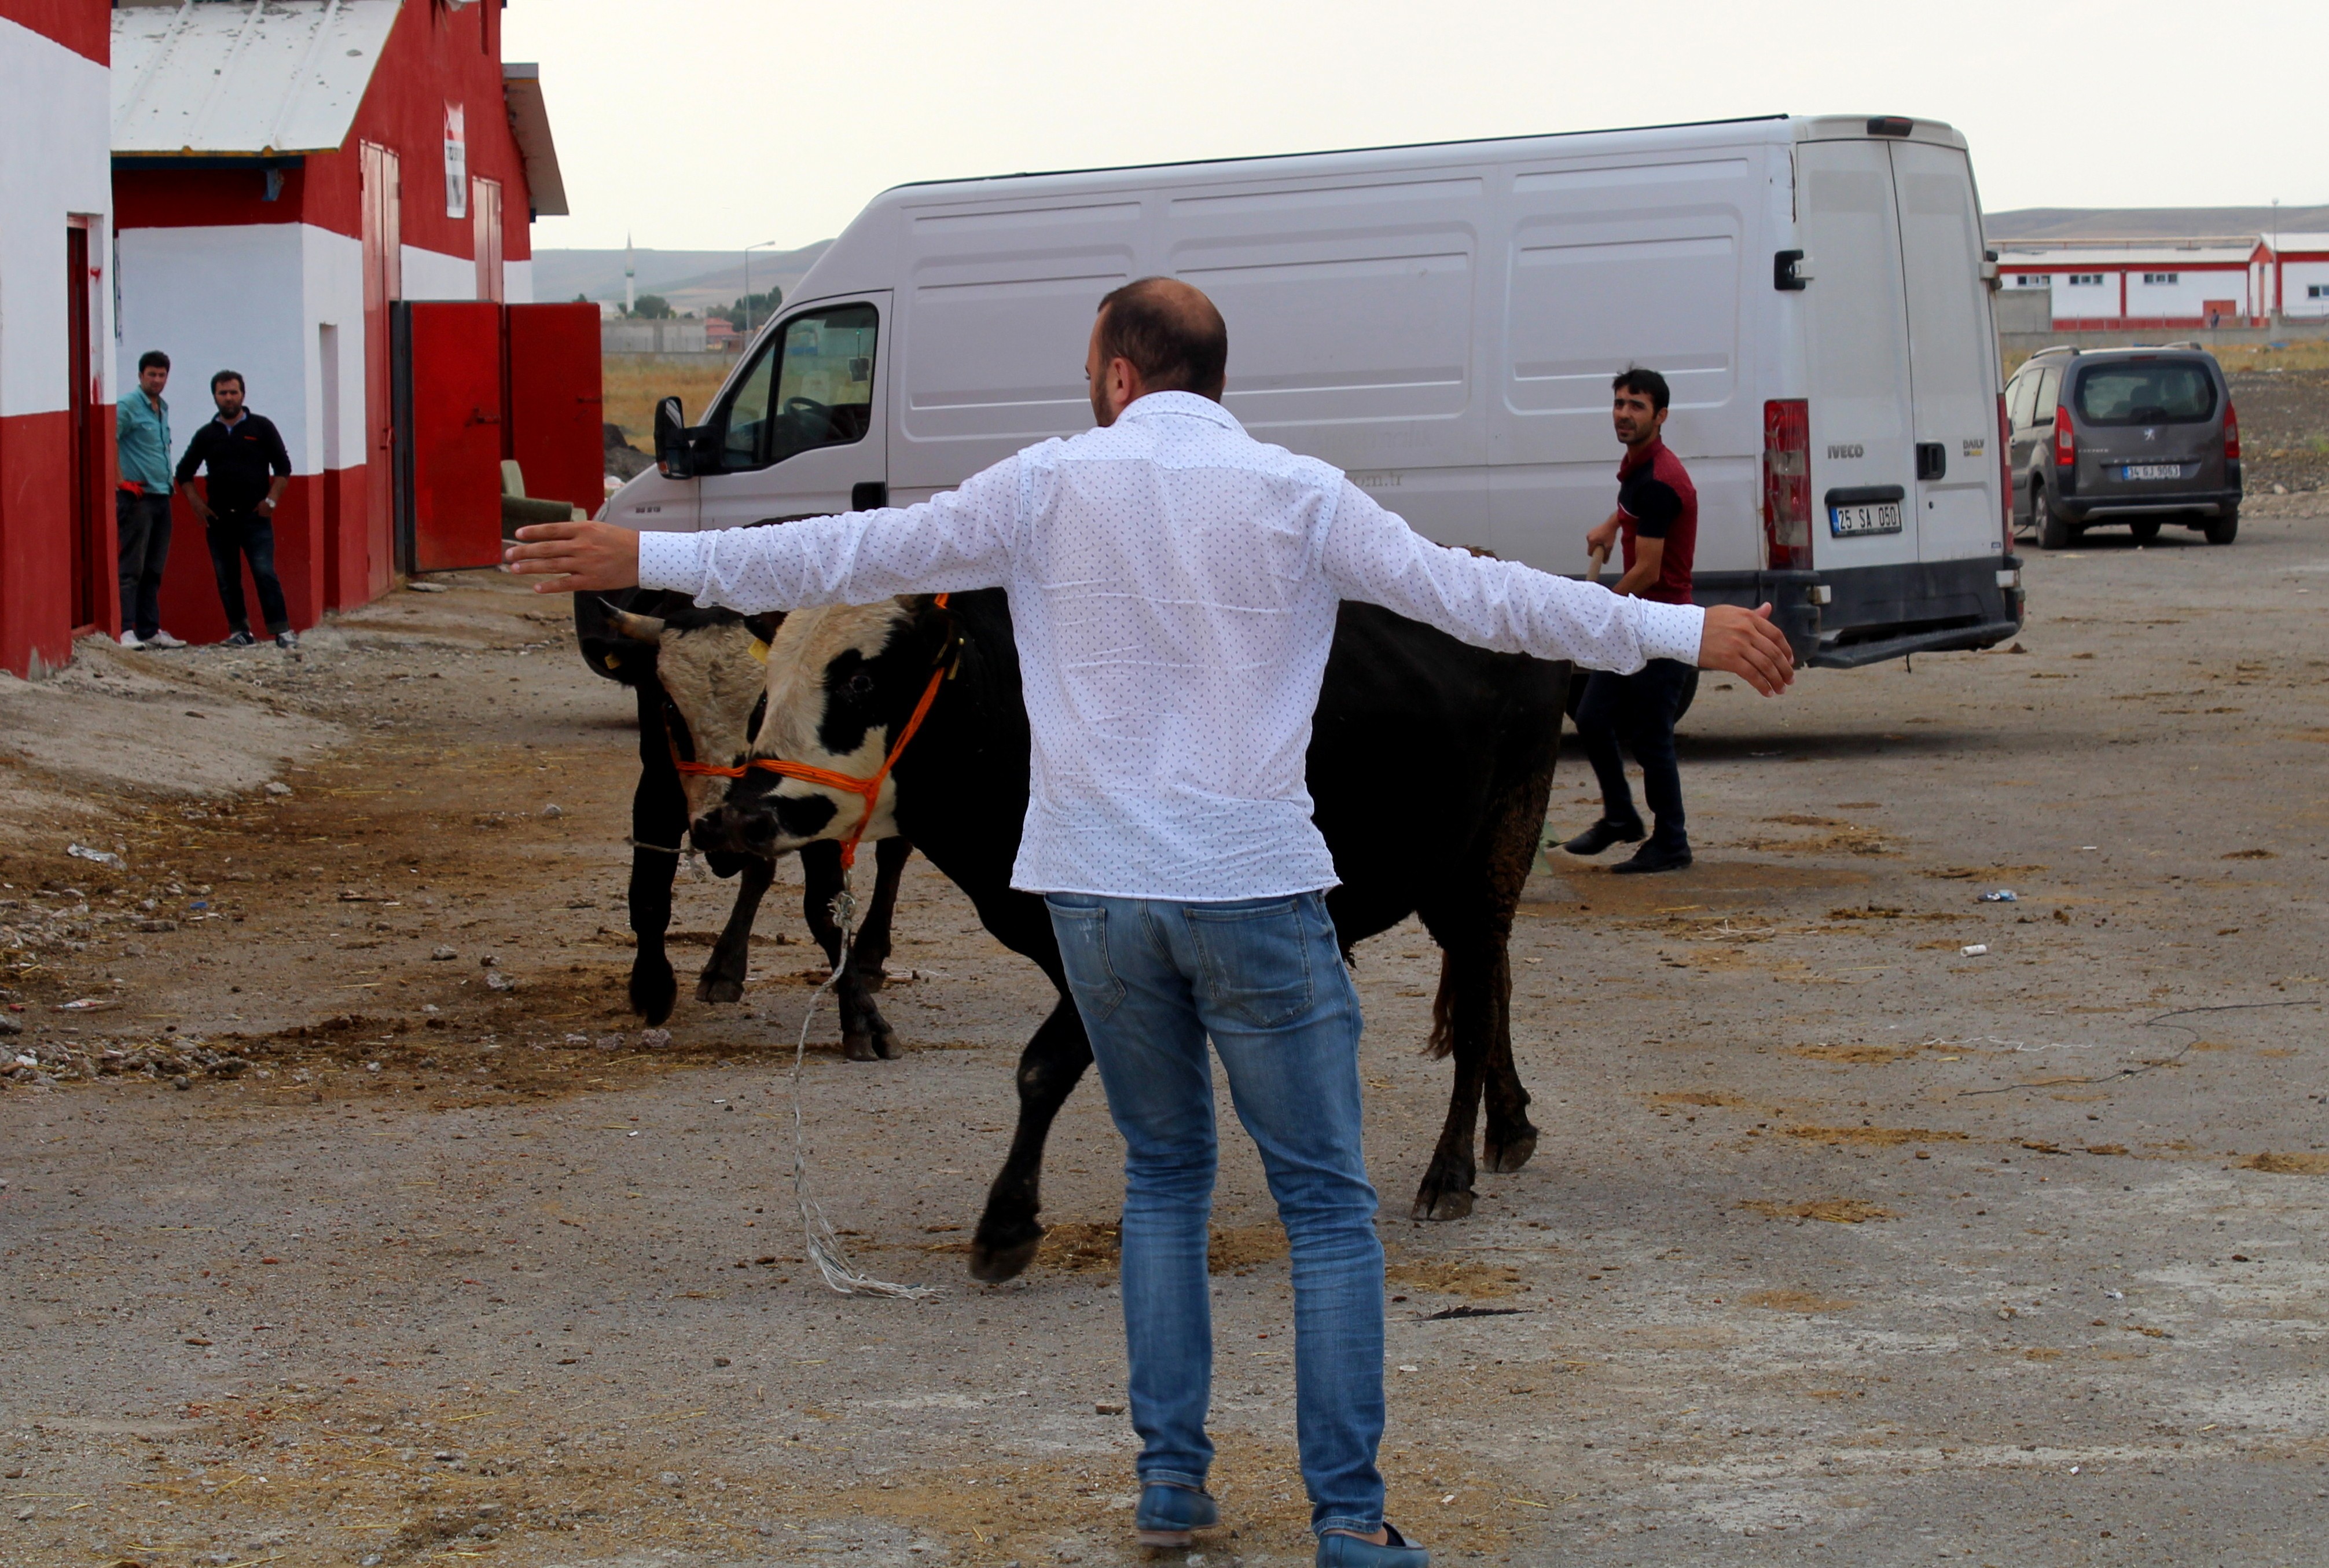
36 545
303 561
83 26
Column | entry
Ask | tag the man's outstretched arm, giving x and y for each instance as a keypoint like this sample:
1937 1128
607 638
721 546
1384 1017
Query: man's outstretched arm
1372 556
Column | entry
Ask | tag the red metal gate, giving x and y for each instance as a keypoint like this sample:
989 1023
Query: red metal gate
449 433
555 405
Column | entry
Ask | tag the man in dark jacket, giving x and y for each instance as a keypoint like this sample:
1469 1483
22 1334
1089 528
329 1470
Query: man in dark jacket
249 471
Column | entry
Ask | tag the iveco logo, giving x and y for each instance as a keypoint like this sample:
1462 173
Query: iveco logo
1848 449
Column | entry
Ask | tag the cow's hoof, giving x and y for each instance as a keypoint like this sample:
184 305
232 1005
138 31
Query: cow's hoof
885 1040
653 992
718 988
1447 1205
993 1265
859 1046
1504 1158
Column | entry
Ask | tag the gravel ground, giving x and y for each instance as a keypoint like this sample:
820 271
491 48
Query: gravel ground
1843 1243
2284 429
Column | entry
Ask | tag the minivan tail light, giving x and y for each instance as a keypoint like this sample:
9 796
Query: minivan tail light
1788 483
2231 432
2066 440
2005 471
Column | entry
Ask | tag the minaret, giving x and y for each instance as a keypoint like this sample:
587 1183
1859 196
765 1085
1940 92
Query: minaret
630 273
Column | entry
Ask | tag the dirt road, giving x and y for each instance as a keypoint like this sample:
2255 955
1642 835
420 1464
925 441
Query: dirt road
1843 1244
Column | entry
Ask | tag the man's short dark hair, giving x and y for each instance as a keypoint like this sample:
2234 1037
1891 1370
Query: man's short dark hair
235 376
1648 383
1170 333
153 359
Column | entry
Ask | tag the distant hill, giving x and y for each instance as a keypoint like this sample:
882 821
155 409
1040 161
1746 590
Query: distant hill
2148 223
690 280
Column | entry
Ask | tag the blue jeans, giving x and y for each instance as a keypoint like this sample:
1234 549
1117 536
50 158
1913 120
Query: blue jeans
1264 978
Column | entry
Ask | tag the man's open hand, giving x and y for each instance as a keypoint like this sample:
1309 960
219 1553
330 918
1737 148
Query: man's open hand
1745 643
577 557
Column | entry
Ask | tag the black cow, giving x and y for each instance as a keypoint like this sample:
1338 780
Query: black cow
700 682
1431 762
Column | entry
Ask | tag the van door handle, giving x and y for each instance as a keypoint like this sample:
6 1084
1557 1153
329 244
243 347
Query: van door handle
1932 459
869 495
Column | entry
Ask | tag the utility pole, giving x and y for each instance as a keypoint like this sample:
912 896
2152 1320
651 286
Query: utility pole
630 275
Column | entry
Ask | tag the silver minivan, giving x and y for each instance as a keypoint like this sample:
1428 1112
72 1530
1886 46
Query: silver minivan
2139 436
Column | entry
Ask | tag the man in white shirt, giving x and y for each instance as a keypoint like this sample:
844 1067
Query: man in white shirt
1173 585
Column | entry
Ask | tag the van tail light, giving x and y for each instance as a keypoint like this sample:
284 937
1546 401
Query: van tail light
1787 484
2231 432
2066 440
2005 471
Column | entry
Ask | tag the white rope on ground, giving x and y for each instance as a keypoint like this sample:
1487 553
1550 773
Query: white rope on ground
824 1248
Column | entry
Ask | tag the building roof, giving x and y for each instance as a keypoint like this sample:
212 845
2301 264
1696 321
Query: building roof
2128 253
529 120
2291 244
222 79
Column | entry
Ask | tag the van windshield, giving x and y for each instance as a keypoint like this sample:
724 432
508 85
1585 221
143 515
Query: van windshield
2147 393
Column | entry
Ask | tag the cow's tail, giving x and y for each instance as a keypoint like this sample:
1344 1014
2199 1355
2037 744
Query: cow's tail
1443 1011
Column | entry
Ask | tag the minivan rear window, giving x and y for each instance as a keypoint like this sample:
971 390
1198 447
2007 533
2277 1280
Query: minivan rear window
2147 393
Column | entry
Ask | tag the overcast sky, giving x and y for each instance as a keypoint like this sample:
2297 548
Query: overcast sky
718 123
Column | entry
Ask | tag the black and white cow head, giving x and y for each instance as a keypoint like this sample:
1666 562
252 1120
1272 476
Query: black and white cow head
709 665
842 681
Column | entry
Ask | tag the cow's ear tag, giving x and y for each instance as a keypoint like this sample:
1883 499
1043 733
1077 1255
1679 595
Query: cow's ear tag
759 650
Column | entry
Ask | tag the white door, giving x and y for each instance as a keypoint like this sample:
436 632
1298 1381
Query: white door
1862 446
801 432
1952 354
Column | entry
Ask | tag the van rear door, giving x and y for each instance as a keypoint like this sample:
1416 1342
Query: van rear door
1863 462
1952 354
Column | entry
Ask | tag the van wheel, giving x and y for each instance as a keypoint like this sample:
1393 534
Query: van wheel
2054 529
2145 529
2224 529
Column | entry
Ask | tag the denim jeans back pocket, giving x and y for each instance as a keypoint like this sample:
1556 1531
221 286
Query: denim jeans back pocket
1256 960
1082 930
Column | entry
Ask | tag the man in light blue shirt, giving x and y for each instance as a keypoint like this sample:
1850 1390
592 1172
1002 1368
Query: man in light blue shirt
141 502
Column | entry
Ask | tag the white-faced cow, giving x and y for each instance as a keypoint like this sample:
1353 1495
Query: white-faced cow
700 684
1429 762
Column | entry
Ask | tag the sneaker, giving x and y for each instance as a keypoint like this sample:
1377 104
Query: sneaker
1336 1550
1657 856
162 639
131 639
239 638
287 639
1602 835
1169 1513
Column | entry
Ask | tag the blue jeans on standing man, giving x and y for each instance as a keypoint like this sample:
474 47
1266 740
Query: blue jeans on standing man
1264 978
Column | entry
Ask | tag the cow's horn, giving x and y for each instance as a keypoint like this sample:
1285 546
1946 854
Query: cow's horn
638 627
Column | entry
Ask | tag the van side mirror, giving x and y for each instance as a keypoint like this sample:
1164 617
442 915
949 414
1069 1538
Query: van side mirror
671 440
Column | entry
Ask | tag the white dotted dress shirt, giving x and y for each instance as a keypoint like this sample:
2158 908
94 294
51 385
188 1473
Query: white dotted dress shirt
1173 585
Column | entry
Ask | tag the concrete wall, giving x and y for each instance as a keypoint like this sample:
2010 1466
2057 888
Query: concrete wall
651 337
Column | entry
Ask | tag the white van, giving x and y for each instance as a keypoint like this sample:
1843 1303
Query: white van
1442 323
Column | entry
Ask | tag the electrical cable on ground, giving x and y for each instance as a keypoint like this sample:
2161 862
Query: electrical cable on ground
824 1248
2147 1067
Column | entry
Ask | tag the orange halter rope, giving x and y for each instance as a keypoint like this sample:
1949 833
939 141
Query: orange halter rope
866 790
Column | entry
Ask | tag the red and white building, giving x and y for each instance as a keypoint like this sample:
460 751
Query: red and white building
284 172
2298 279
57 553
2110 285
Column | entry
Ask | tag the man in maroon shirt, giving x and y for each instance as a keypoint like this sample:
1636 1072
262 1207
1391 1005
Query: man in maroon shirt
1657 520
